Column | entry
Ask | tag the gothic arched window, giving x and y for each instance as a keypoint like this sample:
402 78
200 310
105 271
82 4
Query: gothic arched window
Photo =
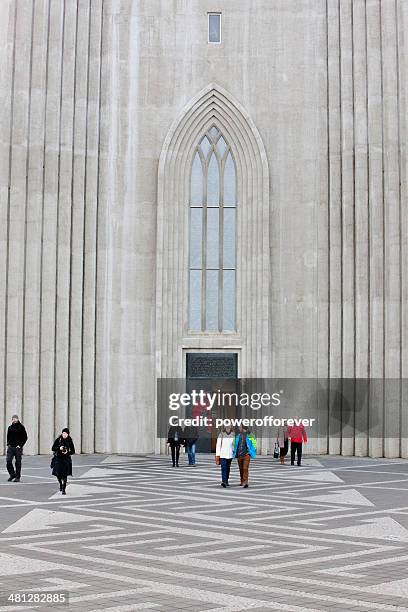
212 266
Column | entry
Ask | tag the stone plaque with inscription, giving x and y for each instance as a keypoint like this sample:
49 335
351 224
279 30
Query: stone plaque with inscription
212 365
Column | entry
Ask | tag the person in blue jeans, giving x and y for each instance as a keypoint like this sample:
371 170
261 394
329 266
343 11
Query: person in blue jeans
244 450
224 453
190 439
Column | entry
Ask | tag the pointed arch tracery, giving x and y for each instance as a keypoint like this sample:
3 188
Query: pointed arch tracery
212 138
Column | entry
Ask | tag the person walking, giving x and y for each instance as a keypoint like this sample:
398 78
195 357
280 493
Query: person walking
61 463
224 452
175 440
190 438
244 449
16 438
282 440
297 435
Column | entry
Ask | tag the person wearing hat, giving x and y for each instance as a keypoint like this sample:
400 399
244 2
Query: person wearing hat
61 462
16 438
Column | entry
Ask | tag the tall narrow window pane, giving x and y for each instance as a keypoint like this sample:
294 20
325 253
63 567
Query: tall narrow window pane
213 238
229 182
197 182
228 314
213 189
214 27
205 146
195 300
229 238
196 237
221 146
211 302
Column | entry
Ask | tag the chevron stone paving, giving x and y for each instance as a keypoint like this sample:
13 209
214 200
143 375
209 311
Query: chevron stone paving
133 533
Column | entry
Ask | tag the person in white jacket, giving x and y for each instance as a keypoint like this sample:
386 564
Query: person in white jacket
224 453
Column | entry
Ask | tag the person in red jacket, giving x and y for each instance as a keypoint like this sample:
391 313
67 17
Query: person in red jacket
297 435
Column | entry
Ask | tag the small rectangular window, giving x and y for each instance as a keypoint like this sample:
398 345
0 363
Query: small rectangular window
214 27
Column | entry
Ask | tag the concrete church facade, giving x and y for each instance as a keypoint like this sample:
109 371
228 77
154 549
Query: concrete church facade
107 105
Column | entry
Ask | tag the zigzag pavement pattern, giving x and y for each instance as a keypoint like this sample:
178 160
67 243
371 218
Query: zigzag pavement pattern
133 533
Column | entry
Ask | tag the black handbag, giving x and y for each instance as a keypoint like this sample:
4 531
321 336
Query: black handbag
52 464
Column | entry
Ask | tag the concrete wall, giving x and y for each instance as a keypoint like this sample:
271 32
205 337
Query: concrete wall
89 90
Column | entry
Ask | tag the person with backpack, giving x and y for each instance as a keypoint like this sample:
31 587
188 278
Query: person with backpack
224 453
297 435
244 450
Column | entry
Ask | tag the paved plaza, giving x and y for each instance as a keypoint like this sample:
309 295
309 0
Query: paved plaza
133 533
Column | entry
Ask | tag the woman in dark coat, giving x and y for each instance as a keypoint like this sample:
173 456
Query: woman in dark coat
175 440
63 448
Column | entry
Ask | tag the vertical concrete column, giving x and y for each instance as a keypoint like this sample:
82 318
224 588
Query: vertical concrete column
90 227
392 230
77 221
49 225
335 231
362 306
32 295
322 348
122 341
19 160
64 195
108 152
376 189
347 226
7 52
132 422
402 70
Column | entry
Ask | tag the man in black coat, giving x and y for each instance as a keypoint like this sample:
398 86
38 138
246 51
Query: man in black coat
16 438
